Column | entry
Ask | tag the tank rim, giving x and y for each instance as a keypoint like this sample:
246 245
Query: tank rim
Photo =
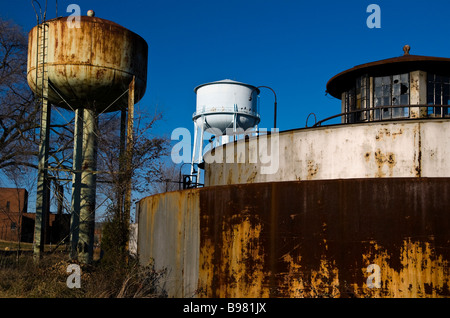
94 20
227 81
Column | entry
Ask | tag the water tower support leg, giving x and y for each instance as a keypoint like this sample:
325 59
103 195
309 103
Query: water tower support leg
122 164
85 246
129 156
76 183
200 156
194 151
42 197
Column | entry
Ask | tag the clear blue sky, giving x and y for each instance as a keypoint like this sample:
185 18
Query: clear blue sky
293 46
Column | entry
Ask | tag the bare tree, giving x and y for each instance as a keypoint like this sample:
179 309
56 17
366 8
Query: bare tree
18 108
168 180
147 151
141 164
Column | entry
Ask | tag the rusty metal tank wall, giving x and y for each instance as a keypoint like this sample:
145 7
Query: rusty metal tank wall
91 65
303 238
413 148
168 237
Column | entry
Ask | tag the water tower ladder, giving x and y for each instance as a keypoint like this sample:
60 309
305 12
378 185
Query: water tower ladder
42 74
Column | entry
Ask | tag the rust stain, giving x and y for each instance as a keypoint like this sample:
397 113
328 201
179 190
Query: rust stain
313 168
386 132
241 273
98 60
317 238
422 272
252 177
310 238
419 155
230 177
246 258
384 159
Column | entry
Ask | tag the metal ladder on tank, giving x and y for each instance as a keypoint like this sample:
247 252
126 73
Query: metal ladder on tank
43 186
42 48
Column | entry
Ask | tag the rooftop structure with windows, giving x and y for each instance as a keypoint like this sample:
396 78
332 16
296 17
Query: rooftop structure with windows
409 86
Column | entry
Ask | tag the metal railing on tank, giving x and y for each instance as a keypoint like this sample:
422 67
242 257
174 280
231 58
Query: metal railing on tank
388 113
189 181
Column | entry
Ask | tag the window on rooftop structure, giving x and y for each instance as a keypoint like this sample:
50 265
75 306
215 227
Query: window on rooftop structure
438 93
362 97
382 96
350 101
391 90
358 106
357 98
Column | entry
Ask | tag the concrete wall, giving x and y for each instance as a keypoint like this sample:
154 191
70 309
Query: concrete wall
302 238
413 148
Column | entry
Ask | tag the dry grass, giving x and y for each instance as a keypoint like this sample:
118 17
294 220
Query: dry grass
23 278
9 245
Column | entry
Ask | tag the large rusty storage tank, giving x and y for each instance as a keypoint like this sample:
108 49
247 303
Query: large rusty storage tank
91 64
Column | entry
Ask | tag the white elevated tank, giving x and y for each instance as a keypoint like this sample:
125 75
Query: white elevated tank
226 104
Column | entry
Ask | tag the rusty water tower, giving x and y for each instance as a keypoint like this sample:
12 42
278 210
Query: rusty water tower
90 67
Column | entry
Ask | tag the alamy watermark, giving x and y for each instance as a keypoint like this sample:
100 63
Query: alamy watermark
263 149
374 279
74 279
374 19
73 20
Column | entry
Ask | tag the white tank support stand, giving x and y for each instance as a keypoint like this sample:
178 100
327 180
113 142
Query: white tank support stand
223 106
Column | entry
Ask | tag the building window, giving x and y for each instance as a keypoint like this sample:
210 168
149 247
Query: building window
13 226
362 97
357 98
391 91
349 105
438 93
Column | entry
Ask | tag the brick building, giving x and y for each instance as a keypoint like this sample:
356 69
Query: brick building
15 221
13 206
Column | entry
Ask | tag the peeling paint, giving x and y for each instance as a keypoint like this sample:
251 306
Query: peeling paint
382 160
312 169
386 133
90 64
302 239
422 272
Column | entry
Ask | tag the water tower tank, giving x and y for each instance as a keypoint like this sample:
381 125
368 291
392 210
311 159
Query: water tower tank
90 65
226 104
